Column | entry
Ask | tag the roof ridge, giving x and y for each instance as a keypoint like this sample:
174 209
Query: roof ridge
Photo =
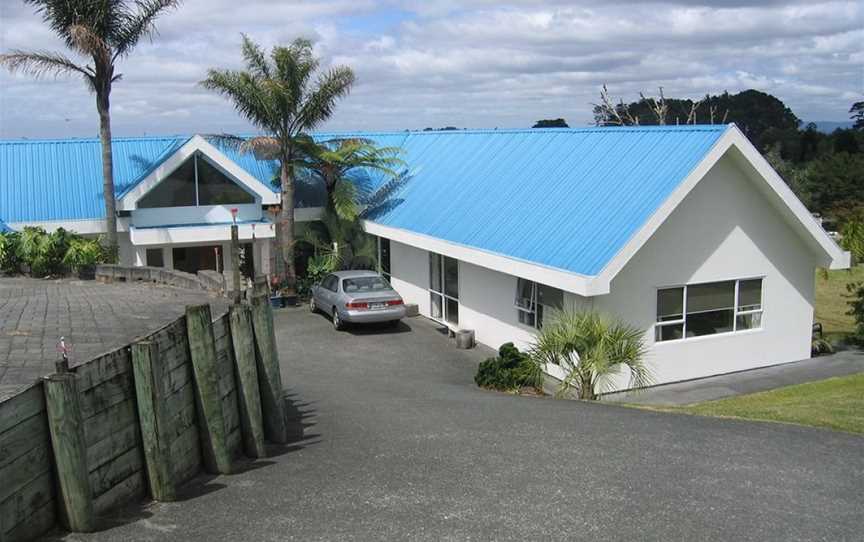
577 129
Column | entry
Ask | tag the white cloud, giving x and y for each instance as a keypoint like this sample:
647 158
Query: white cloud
473 63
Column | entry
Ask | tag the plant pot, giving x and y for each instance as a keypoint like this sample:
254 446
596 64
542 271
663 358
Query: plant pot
277 301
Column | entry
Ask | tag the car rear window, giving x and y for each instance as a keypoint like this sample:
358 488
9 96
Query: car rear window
365 284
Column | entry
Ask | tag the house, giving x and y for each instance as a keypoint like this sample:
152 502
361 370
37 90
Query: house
683 231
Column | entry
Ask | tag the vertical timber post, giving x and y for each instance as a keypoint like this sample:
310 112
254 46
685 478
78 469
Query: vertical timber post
150 396
66 428
243 341
269 375
202 347
236 295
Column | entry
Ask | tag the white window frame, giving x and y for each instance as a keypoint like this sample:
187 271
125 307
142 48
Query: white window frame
444 297
533 301
194 158
735 312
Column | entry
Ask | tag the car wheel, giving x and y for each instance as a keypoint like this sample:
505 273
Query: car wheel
312 307
338 325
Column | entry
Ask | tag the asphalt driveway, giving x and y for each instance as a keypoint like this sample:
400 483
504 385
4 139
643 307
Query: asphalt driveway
394 442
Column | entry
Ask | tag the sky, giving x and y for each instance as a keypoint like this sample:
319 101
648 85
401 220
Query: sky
464 63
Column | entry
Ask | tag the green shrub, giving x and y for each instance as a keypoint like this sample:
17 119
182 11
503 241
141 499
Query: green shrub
41 253
83 253
9 262
856 309
510 370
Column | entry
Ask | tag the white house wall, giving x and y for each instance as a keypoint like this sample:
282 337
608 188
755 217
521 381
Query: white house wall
723 230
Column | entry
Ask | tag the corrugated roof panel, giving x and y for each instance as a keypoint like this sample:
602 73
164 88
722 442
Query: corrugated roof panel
564 198
567 198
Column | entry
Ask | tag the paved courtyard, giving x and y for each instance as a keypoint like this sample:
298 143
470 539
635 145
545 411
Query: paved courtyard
393 441
93 317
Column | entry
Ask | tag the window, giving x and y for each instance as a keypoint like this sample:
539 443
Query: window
533 298
155 257
444 288
195 182
329 282
364 284
708 309
384 256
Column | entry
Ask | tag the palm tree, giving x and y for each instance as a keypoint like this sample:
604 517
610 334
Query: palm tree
279 97
592 350
103 31
340 164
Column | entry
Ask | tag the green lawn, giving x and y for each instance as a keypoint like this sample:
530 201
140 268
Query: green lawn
836 403
832 300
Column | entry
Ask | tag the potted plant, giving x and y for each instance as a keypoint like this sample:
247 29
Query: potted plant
283 295
82 256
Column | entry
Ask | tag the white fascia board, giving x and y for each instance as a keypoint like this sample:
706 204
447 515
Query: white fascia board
732 137
215 156
86 226
198 234
557 278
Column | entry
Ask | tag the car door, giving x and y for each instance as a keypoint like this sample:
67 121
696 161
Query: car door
326 294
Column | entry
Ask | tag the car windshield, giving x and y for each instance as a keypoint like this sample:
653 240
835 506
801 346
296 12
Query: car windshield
365 284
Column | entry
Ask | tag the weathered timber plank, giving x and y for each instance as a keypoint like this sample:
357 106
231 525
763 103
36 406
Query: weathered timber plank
22 438
106 394
113 445
114 419
131 489
19 507
212 426
180 408
69 448
186 450
269 373
115 471
21 406
103 368
154 419
21 471
40 521
246 372
178 377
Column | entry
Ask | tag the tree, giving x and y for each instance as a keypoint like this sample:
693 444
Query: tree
836 184
857 114
104 32
341 165
280 97
592 350
551 123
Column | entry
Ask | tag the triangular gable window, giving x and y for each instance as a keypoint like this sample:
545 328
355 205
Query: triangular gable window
195 182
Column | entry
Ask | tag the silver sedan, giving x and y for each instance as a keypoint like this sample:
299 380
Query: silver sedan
357 297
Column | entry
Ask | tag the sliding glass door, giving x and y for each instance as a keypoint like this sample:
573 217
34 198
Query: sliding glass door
444 288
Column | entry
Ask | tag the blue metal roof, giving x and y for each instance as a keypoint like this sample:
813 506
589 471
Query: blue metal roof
563 198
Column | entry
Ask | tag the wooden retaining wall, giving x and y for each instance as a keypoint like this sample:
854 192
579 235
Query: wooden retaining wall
27 495
115 457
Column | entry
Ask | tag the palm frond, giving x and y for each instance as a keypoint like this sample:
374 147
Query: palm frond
42 63
345 201
319 104
249 99
89 43
255 58
134 26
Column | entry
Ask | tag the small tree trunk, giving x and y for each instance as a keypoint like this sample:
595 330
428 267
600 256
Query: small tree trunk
286 222
103 106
